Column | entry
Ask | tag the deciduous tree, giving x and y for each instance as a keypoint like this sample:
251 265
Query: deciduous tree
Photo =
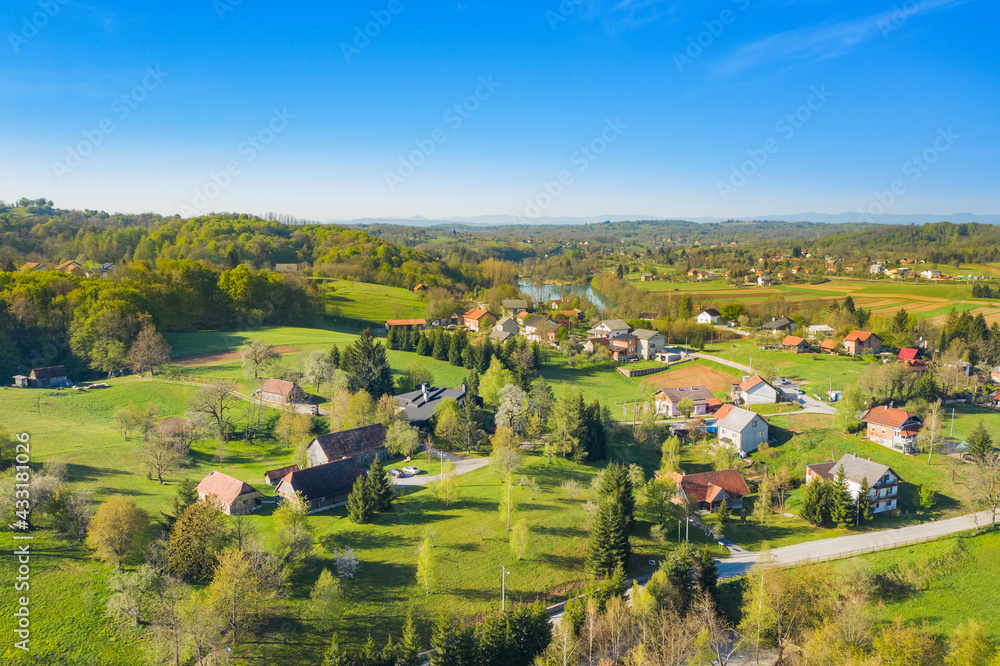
117 530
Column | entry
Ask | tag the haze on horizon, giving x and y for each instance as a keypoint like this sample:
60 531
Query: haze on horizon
589 107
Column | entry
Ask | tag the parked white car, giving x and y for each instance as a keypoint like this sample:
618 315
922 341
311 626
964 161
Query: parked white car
412 470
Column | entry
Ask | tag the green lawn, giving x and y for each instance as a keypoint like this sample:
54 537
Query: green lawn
371 302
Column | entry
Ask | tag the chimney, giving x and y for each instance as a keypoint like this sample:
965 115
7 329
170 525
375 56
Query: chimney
427 395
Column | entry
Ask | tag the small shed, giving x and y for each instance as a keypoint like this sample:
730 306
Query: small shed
279 390
273 477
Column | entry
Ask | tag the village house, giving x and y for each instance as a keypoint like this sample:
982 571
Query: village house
709 316
795 344
893 427
551 332
708 490
52 376
29 266
505 328
883 482
362 444
419 288
593 343
286 268
623 348
667 401
931 274
234 496
478 319
535 328
742 430
322 486
754 391
71 267
647 277
273 477
514 307
649 342
421 404
876 269
828 346
101 271
779 324
862 342
279 390
995 374
610 329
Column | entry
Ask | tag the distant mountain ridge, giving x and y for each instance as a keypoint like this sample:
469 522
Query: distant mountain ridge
821 218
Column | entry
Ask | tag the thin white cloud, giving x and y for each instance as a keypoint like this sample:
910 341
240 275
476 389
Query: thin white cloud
628 15
829 39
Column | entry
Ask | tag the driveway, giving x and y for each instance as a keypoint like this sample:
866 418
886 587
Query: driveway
809 404
853 544
462 466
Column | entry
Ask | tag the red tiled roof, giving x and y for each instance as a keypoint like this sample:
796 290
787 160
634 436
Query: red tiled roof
223 486
476 314
705 487
792 341
858 336
723 411
828 344
908 354
887 416
750 383
405 322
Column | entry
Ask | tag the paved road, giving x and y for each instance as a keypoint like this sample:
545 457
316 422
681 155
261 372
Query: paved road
462 466
844 546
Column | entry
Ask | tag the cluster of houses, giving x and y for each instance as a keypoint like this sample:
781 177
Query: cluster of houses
334 463
625 343
72 267
516 319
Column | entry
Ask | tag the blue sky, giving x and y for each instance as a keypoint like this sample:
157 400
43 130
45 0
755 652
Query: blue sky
589 107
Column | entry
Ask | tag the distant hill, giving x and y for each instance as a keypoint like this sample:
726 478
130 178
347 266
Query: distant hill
821 218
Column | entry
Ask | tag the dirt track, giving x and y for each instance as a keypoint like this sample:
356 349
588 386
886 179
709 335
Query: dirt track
222 357
688 374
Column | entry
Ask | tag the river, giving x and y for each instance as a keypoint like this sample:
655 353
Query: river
548 292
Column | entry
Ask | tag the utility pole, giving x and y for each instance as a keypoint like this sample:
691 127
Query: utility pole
952 434
503 588
678 531
441 455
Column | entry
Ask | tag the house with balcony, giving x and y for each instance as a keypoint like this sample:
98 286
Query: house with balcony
862 342
883 482
624 348
610 329
893 427
649 342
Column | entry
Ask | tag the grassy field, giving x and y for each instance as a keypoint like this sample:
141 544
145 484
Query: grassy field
371 302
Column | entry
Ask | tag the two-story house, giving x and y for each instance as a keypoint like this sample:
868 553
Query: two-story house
514 306
478 319
893 427
649 342
862 342
610 329
883 482
742 430
505 328
624 347
536 327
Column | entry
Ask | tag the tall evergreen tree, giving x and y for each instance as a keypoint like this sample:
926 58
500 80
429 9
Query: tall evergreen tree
841 504
863 502
440 347
453 646
814 502
370 369
361 502
609 535
381 488
424 346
